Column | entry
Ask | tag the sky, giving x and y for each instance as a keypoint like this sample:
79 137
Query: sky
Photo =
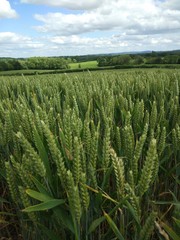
79 27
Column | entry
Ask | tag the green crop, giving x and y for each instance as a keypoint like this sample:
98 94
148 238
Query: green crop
90 156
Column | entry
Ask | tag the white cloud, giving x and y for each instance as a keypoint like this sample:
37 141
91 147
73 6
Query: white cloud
13 44
114 43
10 38
71 45
172 4
77 41
134 17
104 26
6 11
69 4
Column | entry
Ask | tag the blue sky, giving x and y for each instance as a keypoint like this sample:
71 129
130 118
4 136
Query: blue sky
76 27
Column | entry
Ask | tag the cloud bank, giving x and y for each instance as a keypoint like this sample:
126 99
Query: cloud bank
132 17
69 4
6 11
100 27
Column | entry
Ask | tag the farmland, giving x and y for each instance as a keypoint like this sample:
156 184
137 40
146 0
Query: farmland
92 155
86 65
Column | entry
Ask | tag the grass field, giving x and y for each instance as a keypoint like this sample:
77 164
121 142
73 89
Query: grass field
90 64
24 71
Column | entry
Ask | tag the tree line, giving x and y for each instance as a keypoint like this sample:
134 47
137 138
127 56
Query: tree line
54 63
33 63
137 59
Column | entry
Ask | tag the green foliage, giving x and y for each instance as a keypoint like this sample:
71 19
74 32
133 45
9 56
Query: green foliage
114 60
148 227
149 169
33 63
113 227
90 156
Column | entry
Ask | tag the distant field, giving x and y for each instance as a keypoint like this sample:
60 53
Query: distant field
83 66
89 64
24 71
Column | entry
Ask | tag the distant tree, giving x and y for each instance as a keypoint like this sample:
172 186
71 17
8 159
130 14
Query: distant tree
113 61
74 60
16 65
154 54
102 61
154 60
23 64
171 59
123 60
69 60
138 60
46 63
4 65
10 64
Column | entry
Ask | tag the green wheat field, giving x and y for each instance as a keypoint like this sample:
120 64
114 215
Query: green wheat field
90 156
